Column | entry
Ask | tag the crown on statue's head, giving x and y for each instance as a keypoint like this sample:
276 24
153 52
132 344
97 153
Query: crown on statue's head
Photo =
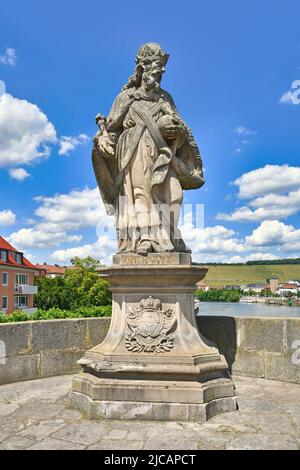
150 52
150 303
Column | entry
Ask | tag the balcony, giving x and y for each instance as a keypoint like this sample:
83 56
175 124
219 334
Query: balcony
26 290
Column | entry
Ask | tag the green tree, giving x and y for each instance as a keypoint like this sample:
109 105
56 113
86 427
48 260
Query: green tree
80 287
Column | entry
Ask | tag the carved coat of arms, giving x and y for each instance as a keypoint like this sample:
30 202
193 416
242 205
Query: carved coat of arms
150 328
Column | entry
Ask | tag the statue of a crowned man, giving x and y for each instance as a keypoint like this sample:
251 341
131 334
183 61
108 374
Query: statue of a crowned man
144 156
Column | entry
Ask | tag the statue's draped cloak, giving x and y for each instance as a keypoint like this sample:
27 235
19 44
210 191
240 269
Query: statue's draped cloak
145 168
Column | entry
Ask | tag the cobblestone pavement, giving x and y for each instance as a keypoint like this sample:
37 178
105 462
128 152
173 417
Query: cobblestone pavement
36 415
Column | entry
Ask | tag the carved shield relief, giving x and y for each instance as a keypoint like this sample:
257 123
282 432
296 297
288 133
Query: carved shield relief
150 328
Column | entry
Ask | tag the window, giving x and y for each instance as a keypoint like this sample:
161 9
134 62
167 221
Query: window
21 280
4 303
18 258
4 279
21 301
3 255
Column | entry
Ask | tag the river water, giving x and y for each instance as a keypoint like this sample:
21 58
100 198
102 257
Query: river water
247 310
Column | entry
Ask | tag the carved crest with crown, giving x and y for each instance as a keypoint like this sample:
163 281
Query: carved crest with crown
150 328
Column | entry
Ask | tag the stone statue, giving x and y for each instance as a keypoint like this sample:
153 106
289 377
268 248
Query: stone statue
153 364
144 156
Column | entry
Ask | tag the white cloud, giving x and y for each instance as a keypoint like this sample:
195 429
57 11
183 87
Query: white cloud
68 143
9 57
25 132
71 211
103 250
19 174
7 217
59 216
241 130
274 193
292 97
40 237
274 233
213 240
245 214
270 178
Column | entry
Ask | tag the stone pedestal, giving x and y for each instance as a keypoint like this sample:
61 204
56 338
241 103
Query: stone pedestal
154 364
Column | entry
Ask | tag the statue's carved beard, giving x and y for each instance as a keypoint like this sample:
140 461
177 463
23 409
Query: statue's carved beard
151 82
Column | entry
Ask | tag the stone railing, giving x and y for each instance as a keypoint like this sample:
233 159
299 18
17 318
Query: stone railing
256 346
37 349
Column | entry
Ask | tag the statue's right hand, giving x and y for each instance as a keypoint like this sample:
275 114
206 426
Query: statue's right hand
106 147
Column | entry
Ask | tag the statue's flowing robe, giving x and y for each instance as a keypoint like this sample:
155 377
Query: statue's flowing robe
145 171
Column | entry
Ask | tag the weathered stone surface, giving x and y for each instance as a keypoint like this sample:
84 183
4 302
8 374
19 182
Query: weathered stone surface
249 363
262 442
42 429
269 416
85 432
154 363
169 442
16 443
16 337
117 445
42 411
259 334
55 334
97 329
16 368
59 362
152 259
156 136
281 367
56 444
223 331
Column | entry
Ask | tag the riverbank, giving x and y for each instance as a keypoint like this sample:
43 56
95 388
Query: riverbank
270 301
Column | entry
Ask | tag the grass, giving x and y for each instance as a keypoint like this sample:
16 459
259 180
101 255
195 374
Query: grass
231 275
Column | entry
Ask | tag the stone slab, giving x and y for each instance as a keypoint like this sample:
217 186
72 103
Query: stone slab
59 362
18 368
150 411
174 259
55 334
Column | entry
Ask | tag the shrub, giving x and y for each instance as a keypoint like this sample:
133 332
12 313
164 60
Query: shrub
57 313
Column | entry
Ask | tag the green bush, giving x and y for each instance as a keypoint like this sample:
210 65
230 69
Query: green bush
218 295
57 313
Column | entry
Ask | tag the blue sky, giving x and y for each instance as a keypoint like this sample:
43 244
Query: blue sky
233 72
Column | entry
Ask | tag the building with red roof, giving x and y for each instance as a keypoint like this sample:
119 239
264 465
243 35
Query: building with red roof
17 274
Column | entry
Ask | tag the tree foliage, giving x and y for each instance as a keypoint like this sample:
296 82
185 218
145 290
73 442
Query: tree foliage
80 287
219 295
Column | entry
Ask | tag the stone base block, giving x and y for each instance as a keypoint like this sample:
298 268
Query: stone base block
151 411
100 398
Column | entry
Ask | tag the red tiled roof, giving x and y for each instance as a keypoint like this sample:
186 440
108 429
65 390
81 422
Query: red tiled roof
52 269
4 245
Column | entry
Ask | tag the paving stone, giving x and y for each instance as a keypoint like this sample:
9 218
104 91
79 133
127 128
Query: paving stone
7 408
115 434
161 442
117 445
16 443
10 425
276 423
37 416
42 411
70 415
56 444
42 430
84 432
262 442
3 436
214 440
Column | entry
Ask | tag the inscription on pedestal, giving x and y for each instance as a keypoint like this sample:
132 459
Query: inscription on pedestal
152 259
150 328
